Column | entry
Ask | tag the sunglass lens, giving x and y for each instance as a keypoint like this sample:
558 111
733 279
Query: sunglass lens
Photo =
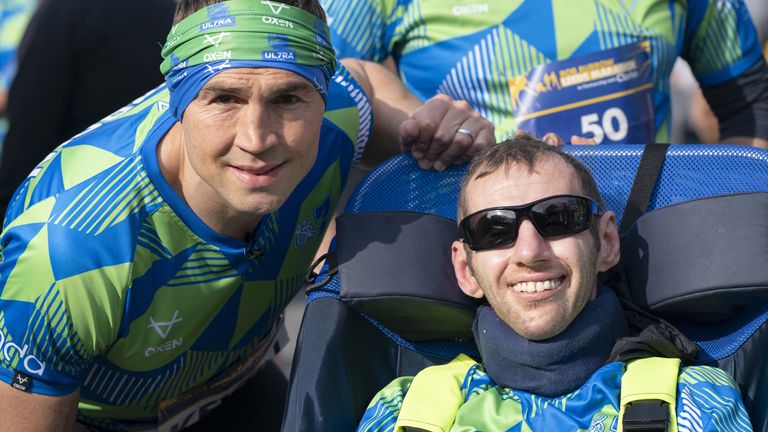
561 216
492 229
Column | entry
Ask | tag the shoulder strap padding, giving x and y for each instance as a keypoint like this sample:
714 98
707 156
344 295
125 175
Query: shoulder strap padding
434 397
651 378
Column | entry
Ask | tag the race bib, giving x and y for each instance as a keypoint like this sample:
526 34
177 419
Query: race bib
605 95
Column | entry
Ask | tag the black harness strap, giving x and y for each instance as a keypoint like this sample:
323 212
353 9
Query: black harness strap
646 415
645 181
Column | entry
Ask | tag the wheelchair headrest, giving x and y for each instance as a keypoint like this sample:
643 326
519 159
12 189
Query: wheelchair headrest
395 267
702 260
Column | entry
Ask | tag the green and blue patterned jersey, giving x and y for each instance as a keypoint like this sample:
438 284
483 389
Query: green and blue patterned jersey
480 50
707 400
111 284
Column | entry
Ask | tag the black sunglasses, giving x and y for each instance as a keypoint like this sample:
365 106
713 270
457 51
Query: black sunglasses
554 216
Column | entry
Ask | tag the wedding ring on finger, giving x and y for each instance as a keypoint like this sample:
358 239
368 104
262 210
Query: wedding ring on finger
467 132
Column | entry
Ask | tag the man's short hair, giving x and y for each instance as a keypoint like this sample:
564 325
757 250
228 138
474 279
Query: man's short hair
526 151
186 8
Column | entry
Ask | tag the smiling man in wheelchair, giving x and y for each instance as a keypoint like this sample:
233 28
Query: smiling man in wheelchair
534 235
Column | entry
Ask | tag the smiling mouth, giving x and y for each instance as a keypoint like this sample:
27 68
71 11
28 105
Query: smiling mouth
540 286
257 177
257 171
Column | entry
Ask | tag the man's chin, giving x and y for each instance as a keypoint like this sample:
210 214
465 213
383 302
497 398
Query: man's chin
539 331
257 205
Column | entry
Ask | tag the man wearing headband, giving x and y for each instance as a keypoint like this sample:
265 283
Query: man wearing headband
145 264
534 234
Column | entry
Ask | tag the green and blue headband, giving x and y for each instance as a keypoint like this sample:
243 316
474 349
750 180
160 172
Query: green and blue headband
245 34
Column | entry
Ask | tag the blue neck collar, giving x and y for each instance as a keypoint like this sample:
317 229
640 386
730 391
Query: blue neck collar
556 366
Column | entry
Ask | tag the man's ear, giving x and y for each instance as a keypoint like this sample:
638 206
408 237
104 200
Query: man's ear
461 268
608 236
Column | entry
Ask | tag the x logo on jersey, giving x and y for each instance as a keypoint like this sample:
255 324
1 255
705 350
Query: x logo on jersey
167 325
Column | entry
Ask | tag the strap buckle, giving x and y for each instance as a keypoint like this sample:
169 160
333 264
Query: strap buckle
310 280
646 416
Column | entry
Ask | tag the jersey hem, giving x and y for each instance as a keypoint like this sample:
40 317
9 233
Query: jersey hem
37 386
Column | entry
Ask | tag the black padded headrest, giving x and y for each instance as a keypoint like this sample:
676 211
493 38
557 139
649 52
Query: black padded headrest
701 259
395 267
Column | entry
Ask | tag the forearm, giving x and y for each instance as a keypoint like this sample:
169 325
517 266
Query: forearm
28 412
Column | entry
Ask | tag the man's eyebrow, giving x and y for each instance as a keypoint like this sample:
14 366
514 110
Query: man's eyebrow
224 88
282 88
292 86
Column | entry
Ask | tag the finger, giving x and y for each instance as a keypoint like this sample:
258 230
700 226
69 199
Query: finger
467 143
575 139
447 137
461 143
428 118
420 145
553 139
485 137
409 134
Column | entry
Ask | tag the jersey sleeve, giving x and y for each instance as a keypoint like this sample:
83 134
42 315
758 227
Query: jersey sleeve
708 400
720 41
52 321
382 412
349 111
363 28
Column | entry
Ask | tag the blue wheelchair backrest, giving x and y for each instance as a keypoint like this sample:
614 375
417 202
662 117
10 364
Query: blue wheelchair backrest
689 172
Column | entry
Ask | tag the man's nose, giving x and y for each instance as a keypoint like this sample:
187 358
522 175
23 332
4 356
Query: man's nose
530 246
256 129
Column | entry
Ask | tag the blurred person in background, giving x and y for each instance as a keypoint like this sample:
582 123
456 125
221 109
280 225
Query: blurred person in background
14 16
78 61
692 119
